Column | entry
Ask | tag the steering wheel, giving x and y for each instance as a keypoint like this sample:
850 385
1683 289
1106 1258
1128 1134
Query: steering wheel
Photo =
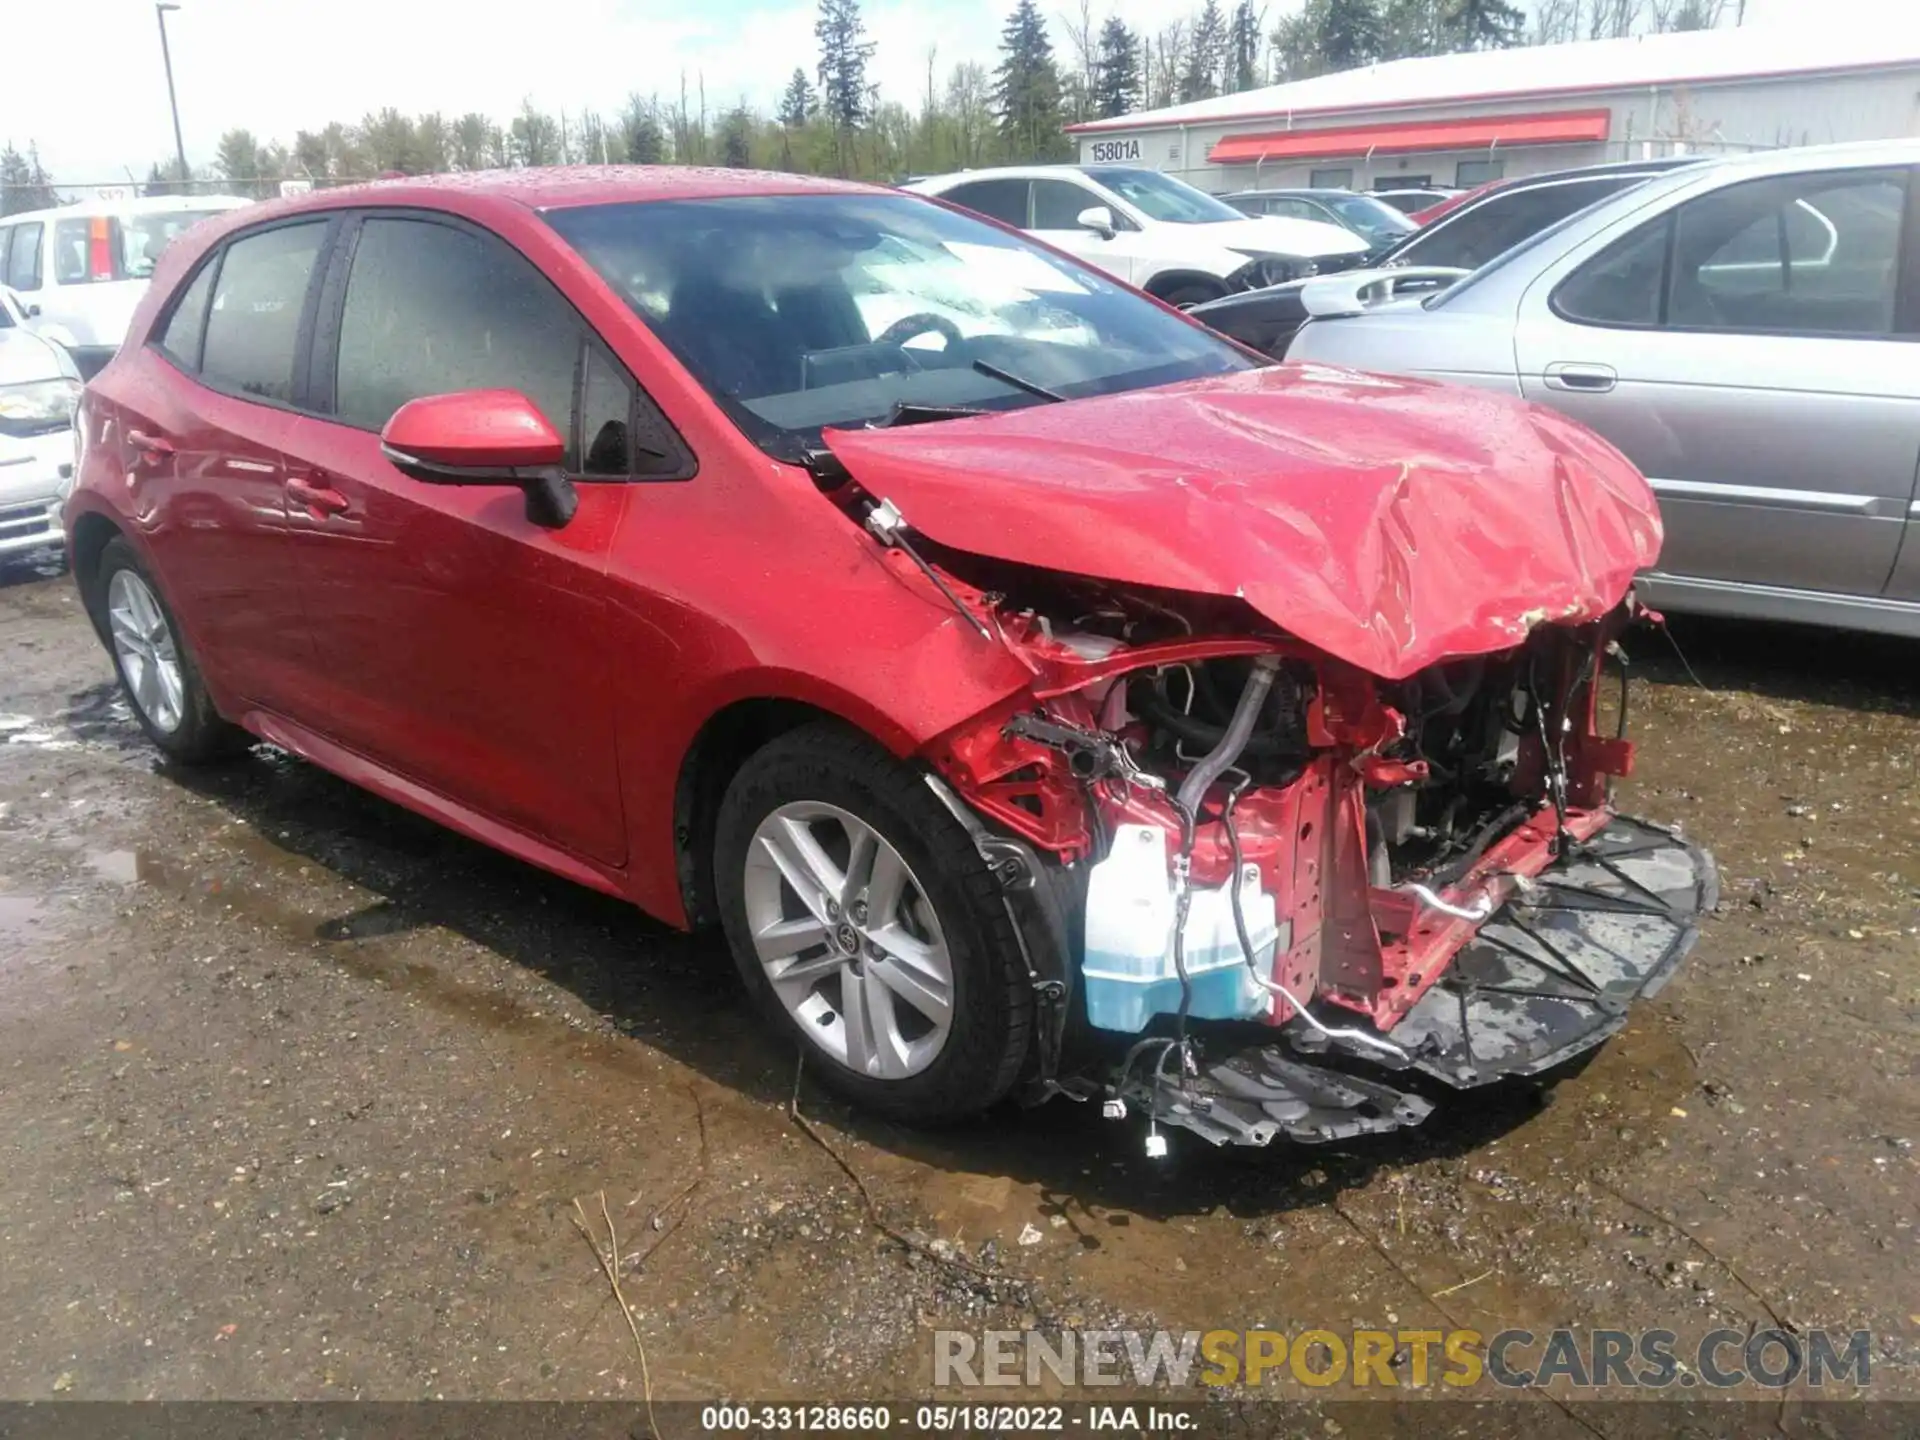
909 327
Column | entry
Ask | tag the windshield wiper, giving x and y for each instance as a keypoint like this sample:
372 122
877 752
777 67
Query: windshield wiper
994 372
908 412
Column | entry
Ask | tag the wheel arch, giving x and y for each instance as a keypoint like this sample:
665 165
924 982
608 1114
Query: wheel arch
90 534
1168 281
726 740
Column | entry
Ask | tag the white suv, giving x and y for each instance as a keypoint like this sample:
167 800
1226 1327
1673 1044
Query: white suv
1149 229
80 270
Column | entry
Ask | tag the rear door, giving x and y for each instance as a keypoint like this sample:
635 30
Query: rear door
1750 349
199 418
459 643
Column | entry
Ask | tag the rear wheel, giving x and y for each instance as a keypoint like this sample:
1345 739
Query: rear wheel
157 670
864 922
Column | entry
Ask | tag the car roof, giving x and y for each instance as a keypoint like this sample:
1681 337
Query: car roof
562 187
145 205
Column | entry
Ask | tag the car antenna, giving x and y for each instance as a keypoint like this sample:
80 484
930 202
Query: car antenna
889 527
994 372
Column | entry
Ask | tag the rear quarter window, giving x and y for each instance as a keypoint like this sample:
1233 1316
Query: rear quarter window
253 325
187 324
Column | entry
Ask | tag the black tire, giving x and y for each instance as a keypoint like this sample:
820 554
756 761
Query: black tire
201 736
992 1001
1181 296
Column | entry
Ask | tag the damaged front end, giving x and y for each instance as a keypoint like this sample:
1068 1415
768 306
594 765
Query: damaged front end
1306 803
1293 886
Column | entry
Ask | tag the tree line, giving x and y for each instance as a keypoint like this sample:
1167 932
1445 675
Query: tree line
834 119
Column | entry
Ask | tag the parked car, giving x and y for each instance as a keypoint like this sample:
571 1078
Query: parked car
81 269
1375 222
39 387
1149 229
583 512
1745 331
1410 201
1499 217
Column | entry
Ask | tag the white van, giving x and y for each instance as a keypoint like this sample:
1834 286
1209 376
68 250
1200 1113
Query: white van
79 271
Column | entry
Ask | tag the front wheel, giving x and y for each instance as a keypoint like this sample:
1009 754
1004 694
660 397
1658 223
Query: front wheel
864 923
1182 296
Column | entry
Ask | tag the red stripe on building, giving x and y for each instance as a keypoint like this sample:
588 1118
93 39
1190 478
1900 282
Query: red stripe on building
1481 132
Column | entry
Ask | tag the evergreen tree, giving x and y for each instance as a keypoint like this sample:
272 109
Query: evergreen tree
1116 79
1027 86
390 144
1243 47
797 102
1413 27
474 141
736 138
1484 25
844 53
238 159
1296 43
1350 33
24 183
534 138
1205 54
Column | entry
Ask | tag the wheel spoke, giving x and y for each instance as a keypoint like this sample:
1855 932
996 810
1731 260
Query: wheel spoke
794 980
146 688
874 1043
863 850
856 1024
172 698
126 631
885 882
792 848
921 989
784 939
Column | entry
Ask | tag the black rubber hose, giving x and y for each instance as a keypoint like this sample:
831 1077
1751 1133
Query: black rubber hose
1491 831
1149 701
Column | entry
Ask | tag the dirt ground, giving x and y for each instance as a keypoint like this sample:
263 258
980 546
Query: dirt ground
297 1092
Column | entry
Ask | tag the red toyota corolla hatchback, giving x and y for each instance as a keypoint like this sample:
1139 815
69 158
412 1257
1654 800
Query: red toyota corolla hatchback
1039 691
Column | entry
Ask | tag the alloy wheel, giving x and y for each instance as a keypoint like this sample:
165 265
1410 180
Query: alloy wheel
848 940
143 642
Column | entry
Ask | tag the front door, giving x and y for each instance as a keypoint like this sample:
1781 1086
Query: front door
460 643
1750 351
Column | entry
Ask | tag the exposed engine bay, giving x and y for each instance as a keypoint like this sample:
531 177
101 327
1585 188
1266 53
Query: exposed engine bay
1220 828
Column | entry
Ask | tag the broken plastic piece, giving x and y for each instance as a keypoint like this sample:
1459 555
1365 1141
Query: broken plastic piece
1114 1109
1156 1145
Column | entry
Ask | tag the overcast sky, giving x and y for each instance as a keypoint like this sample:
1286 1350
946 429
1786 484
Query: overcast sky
83 77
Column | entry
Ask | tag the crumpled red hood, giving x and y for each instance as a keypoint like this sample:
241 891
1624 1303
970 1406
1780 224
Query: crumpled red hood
1389 522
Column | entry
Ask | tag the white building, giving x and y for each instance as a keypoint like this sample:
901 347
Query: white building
1465 119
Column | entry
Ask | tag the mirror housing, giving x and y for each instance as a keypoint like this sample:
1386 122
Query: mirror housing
1097 218
484 437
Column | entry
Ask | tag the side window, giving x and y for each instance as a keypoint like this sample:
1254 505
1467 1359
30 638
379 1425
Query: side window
1622 285
72 242
1002 200
188 324
431 309
23 257
1806 254
1057 204
253 325
1473 236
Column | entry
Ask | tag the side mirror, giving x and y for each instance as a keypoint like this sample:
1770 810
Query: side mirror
33 311
484 437
1097 218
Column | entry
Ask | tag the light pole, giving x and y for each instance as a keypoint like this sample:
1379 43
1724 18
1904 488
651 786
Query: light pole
160 10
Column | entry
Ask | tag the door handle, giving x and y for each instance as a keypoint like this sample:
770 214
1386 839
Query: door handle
1579 375
150 448
320 500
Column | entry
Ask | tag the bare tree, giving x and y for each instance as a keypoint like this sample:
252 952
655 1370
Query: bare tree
1166 62
1612 19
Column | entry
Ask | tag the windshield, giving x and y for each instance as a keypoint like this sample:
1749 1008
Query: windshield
1377 221
800 312
1162 197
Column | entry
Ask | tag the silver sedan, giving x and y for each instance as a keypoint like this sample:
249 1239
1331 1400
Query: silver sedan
1748 332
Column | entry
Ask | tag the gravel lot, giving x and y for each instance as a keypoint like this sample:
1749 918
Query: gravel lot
297 1093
